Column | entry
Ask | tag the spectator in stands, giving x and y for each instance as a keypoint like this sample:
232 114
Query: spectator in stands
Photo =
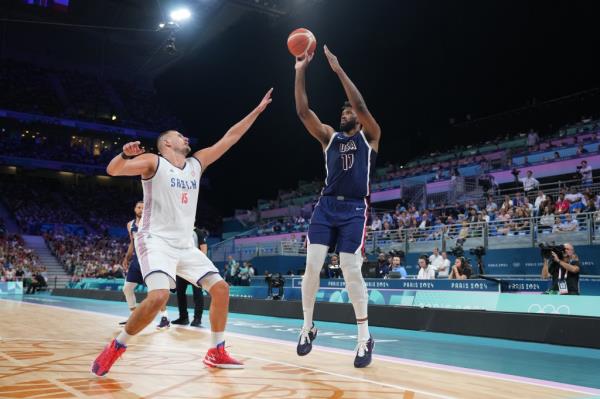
518 200
386 230
461 269
507 204
547 219
532 139
527 207
463 234
521 222
491 207
376 224
529 183
541 197
569 225
581 150
562 205
504 222
556 156
387 217
426 271
585 171
590 202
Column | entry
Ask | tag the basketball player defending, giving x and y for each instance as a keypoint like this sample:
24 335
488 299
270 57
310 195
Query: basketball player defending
164 241
134 274
340 216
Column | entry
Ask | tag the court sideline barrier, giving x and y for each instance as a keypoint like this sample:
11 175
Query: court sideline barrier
544 324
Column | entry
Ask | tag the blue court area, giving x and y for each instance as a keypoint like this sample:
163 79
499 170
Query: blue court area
570 365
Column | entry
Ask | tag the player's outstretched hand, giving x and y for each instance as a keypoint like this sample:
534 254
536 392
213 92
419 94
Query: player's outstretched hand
333 61
265 101
302 62
133 149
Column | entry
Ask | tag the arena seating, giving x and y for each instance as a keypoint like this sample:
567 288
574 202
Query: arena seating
67 93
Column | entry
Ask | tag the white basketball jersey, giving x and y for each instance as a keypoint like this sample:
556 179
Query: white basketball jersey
170 200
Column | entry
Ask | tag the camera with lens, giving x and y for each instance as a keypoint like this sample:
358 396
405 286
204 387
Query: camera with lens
277 281
547 249
478 251
457 250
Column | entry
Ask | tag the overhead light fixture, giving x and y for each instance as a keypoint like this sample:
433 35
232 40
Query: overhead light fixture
180 14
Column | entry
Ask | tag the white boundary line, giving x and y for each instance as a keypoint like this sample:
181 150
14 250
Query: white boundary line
435 366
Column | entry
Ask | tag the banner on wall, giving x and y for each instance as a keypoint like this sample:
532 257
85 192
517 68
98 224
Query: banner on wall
11 288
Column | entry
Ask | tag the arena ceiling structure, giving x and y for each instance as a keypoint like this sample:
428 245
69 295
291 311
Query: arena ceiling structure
122 38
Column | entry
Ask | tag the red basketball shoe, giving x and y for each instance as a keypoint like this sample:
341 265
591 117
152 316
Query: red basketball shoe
107 358
218 357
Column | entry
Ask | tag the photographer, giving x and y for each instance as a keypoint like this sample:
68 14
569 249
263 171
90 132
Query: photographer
334 270
564 272
529 183
461 269
275 280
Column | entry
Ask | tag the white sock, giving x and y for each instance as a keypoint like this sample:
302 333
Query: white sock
308 317
164 313
363 330
217 338
123 337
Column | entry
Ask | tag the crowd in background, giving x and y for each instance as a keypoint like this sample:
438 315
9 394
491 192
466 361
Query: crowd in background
72 94
18 263
90 256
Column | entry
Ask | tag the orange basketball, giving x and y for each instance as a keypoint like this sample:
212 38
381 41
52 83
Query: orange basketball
301 41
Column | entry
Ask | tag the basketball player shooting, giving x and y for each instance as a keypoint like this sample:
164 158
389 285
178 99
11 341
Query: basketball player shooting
164 242
340 216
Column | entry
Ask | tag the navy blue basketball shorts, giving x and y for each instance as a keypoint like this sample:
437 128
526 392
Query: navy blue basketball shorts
134 273
339 223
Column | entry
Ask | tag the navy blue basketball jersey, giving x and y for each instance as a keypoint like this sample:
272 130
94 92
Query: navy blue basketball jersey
134 229
348 163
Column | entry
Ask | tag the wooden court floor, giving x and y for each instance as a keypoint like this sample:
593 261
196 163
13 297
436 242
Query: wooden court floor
46 352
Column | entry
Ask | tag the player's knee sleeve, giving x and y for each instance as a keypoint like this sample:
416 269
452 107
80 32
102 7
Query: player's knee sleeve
209 280
315 258
355 284
129 291
159 281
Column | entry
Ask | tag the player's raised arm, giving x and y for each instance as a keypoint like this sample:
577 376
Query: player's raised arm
133 162
369 124
208 155
318 130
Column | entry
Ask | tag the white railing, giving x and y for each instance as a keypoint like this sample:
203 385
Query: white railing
513 233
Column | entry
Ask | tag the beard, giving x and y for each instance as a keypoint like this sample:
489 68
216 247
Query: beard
348 125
